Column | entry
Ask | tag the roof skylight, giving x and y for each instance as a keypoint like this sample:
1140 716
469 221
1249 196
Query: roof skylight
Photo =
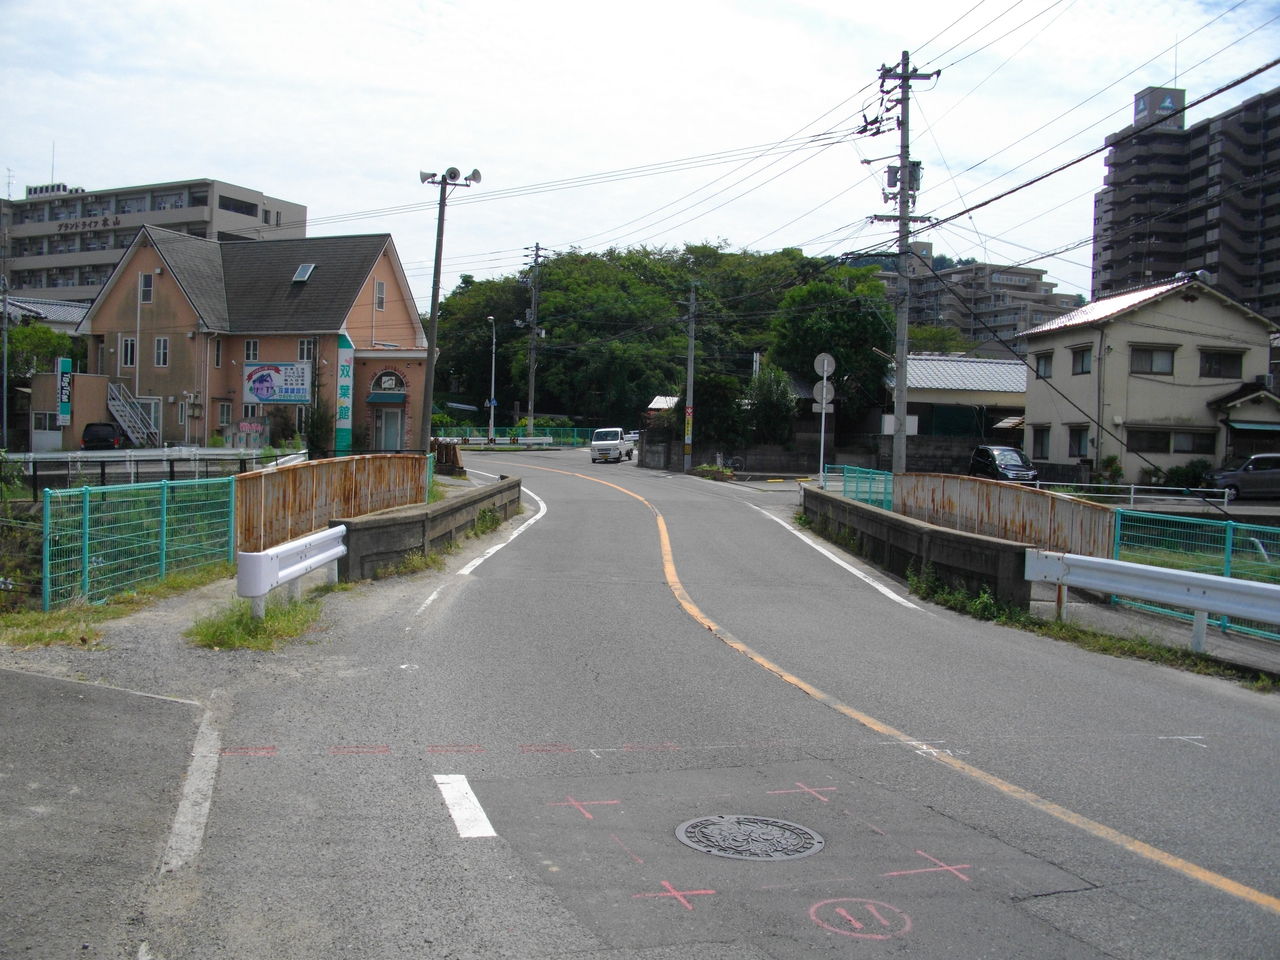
303 272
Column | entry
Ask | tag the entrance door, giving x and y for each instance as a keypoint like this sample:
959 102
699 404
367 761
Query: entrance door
387 423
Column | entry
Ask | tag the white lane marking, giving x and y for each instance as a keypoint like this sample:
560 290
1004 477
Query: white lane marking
542 512
187 832
463 806
470 567
870 581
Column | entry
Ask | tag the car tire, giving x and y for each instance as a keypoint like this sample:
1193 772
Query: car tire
628 455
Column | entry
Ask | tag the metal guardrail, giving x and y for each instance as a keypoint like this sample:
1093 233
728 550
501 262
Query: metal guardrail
1204 593
1132 493
257 574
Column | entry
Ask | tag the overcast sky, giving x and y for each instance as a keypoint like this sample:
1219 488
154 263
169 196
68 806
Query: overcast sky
598 124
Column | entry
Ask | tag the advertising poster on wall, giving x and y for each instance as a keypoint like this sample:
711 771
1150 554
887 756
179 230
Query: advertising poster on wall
286 382
346 382
64 391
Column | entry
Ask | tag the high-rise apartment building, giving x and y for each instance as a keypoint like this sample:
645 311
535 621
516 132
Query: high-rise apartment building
63 242
1186 199
988 303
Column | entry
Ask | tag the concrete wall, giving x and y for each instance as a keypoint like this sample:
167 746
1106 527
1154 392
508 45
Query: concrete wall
900 544
383 539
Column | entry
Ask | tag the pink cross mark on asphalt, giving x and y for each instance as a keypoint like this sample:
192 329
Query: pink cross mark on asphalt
680 895
956 868
815 791
581 805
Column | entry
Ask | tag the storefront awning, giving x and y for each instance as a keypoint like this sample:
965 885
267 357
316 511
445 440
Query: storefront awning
385 398
1252 425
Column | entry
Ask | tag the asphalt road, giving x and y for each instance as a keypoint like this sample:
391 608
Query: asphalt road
500 760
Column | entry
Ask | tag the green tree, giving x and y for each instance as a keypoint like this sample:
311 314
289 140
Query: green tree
936 338
770 406
846 316
33 349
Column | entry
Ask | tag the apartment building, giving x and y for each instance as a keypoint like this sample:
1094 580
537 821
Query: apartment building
1181 199
63 242
988 303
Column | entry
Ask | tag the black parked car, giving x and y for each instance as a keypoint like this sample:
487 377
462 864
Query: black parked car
1002 463
103 436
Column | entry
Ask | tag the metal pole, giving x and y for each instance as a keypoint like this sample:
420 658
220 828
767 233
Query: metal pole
688 382
493 374
429 388
533 336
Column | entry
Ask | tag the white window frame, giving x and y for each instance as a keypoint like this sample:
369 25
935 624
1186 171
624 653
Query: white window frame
217 352
224 413
379 295
1044 366
307 348
128 352
146 287
251 351
160 356
249 411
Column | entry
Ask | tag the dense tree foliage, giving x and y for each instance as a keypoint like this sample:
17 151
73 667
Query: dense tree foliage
33 349
616 332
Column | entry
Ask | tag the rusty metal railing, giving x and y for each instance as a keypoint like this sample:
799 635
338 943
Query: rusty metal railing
281 504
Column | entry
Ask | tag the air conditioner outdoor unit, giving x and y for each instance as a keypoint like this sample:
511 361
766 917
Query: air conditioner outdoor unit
1267 380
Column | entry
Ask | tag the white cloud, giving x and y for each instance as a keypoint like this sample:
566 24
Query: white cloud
337 106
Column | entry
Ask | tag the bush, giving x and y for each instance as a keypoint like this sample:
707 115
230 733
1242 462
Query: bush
1189 476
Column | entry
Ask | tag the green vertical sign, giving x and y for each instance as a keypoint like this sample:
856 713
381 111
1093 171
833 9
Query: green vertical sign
342 418
64 391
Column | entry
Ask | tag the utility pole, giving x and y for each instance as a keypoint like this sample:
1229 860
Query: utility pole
533 332
688 380
908 181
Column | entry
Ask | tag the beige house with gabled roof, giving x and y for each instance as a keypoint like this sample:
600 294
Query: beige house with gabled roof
193 338
1155 377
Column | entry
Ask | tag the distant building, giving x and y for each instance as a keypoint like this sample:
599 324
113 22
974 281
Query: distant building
1183 200
989 304
64 241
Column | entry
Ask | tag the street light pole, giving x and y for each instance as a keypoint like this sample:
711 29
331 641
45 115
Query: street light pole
449 178
493 375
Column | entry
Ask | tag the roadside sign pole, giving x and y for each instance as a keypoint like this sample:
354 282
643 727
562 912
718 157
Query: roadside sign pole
824 365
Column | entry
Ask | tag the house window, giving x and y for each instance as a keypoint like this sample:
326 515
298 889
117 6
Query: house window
1221 364
379 295
128 352
224 413
1078 442
1081 361
217 353
182 413
1039 443
162 352
1148 441
251 351
248 411
44 420
146 284
1155 360
307 348
1044 366
1194 441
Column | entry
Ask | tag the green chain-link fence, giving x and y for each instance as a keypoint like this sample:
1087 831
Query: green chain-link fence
1223 548
873 487
99 541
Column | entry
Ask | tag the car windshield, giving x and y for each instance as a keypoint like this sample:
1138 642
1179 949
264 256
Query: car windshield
1234 463
605 436
1012 458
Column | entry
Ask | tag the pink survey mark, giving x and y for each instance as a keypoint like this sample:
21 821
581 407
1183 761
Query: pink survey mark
803 788
864 919
614 838
355 750
681 895
248 751
581 805
953 868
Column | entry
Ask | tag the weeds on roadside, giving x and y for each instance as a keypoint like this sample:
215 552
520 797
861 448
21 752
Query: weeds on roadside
77 625
236 628
925 583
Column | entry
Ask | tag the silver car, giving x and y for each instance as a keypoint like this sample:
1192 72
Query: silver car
1255 476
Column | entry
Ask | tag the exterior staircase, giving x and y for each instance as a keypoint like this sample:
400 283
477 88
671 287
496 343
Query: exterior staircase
131 416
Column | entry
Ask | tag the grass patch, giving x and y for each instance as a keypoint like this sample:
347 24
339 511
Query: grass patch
416 561
487 521
236 628
77 625
712 472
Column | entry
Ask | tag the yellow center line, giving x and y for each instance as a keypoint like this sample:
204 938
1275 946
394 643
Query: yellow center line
1093 827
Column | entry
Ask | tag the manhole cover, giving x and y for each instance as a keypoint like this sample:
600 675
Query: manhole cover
749 838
